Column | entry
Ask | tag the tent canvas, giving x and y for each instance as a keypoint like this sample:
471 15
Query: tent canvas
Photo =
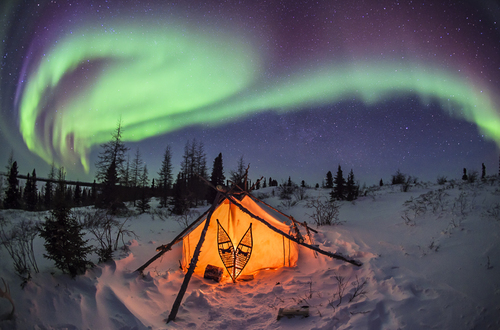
270 249
239 213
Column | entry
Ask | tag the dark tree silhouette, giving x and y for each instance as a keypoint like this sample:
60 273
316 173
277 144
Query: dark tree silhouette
238 175
180 203
194 165
217 177
12 195
352 190
49 191
398 178
31 192
465 177
135 175
77 196
109 168
63 235
483 171
143 202
165 177
329 180
338 191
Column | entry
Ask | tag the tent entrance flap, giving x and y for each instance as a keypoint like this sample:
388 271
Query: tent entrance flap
234 260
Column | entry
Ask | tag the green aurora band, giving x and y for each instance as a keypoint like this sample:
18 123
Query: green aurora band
165 80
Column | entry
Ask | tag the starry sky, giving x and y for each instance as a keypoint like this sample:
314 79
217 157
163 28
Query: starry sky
295 87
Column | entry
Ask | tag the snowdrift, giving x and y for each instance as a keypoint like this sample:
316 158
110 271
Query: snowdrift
431 259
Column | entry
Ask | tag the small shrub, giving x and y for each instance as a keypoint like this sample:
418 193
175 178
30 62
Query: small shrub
300 193
18 241
288 203
472 177
107 231
286 191
326 212
185 219
441 180
398 178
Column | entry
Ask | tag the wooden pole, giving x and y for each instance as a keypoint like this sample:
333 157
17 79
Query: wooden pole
330 254
192 264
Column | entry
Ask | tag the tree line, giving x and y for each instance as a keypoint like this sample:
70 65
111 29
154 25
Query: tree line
123 178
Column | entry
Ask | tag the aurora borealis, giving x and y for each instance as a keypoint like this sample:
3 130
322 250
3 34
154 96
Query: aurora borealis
206 70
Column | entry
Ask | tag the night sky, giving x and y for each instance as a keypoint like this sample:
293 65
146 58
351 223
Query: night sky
295 87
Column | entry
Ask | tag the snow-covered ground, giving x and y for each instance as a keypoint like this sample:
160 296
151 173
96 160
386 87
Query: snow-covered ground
439 269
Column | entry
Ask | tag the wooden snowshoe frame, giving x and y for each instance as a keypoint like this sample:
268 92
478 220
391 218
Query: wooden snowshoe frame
234 259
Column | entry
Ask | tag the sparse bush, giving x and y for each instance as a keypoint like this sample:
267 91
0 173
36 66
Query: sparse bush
441 180
18 241
472 177
398 178
185 219
460 204
107 231
359 289
162 213
286 191
494 211
300 193
326 212
262 196
341 286
405 186
288 203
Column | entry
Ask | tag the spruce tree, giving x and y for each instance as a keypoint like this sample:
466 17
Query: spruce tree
179 202
12 195
352 190
49 191
464 176
31 192
217 177
63 235
329 180
93 193
165 176
77 196
338 191
143 202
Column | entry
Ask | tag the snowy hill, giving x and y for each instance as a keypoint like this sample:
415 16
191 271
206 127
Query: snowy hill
431 259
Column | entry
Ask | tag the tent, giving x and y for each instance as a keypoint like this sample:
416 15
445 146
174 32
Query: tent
241 234
268 248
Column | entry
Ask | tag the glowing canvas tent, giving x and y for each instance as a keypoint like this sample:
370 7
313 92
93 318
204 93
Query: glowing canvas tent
237 232
269 249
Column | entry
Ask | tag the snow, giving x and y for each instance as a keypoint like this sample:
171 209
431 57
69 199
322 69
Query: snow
441 270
